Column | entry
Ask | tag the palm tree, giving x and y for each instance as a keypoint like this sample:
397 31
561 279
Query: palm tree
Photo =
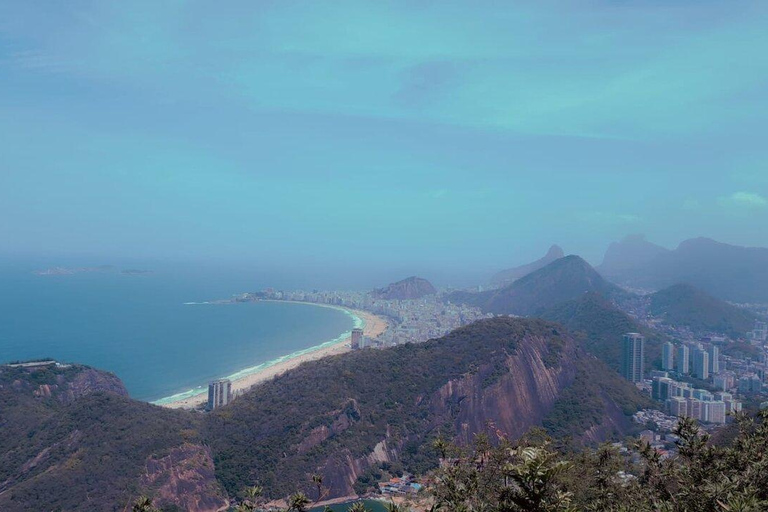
298 502
358 507
252 495
143 504
318 481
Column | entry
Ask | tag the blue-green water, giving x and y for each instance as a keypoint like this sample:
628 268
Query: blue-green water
139 327
372 505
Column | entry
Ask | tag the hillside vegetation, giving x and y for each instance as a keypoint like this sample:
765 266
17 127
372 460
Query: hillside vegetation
350 418
685 305
599 326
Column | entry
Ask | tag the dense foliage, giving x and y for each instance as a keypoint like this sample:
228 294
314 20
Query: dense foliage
599 326
687 306
497 475
54 455
354 401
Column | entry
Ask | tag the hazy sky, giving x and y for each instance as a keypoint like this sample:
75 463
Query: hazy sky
404 134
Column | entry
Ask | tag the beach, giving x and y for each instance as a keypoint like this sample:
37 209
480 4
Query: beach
373 326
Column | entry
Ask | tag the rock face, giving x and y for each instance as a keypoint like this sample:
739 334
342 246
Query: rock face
509 276
633 252
409 288
185 478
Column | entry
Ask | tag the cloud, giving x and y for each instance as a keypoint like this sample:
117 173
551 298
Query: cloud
743 200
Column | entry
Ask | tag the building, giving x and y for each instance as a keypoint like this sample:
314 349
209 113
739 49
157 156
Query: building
660 388
723 381
694 408
358 340
668 356
633 356
750 384
219 393
760 334
714 359
700 364
683 363
713 412
677 406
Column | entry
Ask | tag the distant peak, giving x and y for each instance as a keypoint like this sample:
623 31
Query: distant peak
635 237
555 252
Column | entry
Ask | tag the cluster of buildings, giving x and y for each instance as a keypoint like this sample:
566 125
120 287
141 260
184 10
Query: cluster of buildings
691 359
411 321
759 335
405 484
683 400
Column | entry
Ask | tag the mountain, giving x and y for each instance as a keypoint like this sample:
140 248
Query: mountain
562 280
599 326
409 288
685 305
352 416
729 272
633 252
69 445
506 277
71 439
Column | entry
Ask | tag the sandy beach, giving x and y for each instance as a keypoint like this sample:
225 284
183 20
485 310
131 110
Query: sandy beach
373 327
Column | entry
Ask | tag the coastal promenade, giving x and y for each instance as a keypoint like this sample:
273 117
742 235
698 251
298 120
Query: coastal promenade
374 326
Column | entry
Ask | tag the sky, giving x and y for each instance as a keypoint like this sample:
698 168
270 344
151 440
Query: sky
431 137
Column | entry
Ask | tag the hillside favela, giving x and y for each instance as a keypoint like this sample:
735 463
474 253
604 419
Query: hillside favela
391 256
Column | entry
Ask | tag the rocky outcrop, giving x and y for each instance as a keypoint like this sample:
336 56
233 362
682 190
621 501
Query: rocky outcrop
64 383
520 399
410 288
185 478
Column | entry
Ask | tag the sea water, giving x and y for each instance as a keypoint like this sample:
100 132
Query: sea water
139 326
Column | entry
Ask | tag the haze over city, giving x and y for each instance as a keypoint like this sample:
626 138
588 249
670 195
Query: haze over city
394 137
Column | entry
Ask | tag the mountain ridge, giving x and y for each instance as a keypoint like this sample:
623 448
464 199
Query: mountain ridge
506 277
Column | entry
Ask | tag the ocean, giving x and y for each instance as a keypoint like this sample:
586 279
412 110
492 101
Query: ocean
139 327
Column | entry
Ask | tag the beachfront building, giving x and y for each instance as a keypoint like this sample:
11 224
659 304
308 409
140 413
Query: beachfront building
357 340
219 393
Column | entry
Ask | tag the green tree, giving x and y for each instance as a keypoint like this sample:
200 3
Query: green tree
298 502
144 504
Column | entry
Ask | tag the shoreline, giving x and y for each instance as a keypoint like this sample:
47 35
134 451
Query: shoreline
243 380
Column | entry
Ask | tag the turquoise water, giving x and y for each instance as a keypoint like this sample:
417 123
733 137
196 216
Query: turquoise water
372 505
139 327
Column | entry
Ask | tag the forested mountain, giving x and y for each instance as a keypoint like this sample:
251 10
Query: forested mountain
506 277
347 418
685 305
599 326
562 280
71 439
